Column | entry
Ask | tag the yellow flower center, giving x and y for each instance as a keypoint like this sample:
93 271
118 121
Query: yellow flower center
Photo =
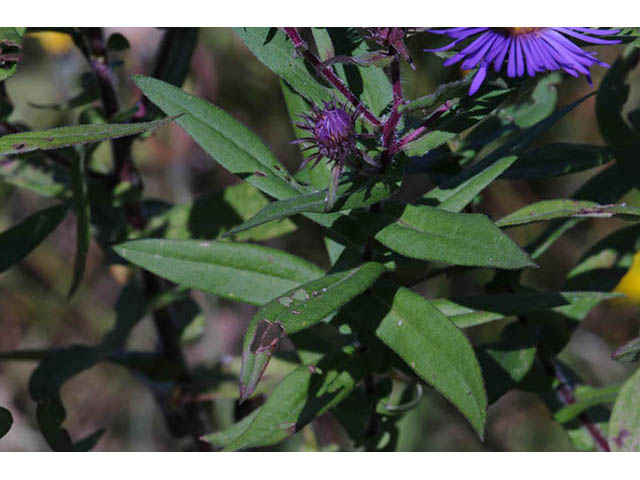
521 30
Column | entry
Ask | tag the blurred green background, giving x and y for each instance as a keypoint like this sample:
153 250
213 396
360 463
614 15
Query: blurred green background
34 311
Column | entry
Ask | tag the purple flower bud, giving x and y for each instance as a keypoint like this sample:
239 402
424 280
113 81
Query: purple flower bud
391 39
332 131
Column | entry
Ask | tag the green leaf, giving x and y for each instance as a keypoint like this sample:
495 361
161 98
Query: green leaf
6 420
515 145
73 135
624 425
471 311
629 352
506 362
10 50
610 105
234 204
558 159
17 242
430 344
230 143
455 199
240 272
83 222
273 48
605 187
603 265
586 397
228 435
32 172
444 92
543 102
304 394
428 233
296 310
565 208
351 194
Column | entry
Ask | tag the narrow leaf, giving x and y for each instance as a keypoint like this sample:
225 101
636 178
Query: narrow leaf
273 48
304 394
586 398
624 425
629 352
296 310
430 344
564 208
428 233
455 199
17 242
558 159
73 135
230 143
350 194
240 272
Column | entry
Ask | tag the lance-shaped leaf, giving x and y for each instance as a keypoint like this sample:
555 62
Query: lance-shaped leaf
193 220
471 311
32 172
564 208
229 142
610 105
296 310
629 352
506 362
542 103
558 159
304 394
429 233
436 350
353 193
240 272
586 398
18 241
73 135
624 425
457 198
273 48
6 420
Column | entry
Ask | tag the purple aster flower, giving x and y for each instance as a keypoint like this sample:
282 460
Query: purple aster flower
332 130
333 135
524 48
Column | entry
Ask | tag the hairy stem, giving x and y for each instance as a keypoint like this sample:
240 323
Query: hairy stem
326 71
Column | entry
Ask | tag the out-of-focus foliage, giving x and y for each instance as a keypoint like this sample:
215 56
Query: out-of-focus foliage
461 274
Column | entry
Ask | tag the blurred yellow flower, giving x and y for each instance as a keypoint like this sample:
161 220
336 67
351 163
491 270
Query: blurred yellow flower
630 283
54 43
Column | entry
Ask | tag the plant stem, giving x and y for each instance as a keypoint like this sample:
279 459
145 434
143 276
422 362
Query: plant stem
326 71
126 171
565 392
389 137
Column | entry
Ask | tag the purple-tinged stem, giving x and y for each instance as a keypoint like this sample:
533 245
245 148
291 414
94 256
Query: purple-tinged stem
301 46
389 138
566 396
423 129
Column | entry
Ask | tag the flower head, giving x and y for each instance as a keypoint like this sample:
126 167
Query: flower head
529 49
333 133
392 39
